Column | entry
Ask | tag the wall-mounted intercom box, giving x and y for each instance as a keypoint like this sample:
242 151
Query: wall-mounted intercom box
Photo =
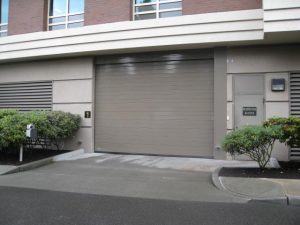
278 84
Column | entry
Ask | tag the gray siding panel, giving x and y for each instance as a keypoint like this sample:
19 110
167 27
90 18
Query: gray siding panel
155 107
26 96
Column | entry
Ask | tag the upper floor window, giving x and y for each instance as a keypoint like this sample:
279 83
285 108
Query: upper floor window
64 14
152 9
3 17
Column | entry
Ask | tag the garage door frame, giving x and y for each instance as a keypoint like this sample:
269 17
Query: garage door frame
220 83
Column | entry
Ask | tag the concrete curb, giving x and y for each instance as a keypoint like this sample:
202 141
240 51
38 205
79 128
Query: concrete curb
43 162
218 184
68 155
293 200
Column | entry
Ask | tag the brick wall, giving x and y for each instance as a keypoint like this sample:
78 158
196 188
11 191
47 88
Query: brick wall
207 6
27 17
104 11
31 16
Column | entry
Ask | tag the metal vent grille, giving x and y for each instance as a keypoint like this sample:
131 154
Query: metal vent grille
295 107
26 96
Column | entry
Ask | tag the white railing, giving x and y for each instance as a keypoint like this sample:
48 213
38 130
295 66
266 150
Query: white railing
157 8
66 21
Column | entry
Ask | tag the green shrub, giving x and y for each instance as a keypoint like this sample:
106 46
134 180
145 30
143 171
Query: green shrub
60 126
52 127
290 128
257 142
7 112
12 130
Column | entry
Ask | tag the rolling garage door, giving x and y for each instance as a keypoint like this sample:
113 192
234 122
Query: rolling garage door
155 107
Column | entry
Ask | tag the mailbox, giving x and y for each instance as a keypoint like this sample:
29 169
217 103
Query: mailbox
31 131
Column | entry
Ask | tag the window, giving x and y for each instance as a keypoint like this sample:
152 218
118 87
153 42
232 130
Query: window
64 14
153 9
3 17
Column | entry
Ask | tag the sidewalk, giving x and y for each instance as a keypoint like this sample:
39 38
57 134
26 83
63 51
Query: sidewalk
283 191
6 168
291 187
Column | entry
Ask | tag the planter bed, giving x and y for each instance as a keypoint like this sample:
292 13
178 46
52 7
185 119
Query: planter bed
288 170
12 158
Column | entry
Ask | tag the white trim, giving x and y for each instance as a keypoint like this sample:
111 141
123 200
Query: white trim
70 14
281 15
63 23
280 4
160 11
154 3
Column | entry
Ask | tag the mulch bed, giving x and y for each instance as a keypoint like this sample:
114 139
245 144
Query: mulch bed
288 170
12 157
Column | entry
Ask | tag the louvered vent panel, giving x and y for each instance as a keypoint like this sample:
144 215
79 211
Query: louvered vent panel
295 107
26 96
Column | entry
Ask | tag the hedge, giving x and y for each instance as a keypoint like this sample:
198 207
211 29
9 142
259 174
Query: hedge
290 127
52 127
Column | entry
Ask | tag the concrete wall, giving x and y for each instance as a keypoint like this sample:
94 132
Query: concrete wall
220 68
272 62
277 105
266 59
72 89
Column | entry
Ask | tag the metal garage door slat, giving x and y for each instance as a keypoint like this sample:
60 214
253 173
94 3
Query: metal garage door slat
155 108
295 107
26 96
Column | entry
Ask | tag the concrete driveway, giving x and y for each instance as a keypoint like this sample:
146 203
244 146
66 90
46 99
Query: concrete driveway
150 177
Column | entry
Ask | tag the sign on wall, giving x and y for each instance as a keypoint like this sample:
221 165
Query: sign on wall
249 111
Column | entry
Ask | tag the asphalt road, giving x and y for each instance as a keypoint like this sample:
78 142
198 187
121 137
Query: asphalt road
21 206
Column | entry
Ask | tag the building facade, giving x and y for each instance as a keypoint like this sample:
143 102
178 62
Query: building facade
166 77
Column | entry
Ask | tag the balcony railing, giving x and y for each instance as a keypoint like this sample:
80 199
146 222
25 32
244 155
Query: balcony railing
71 20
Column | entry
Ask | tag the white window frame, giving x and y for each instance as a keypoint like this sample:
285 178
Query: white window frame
157 11
3 24
3 31
66 15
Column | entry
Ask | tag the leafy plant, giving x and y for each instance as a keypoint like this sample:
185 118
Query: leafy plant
7 112
52 127
61 126
257 142
290 128
12 130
